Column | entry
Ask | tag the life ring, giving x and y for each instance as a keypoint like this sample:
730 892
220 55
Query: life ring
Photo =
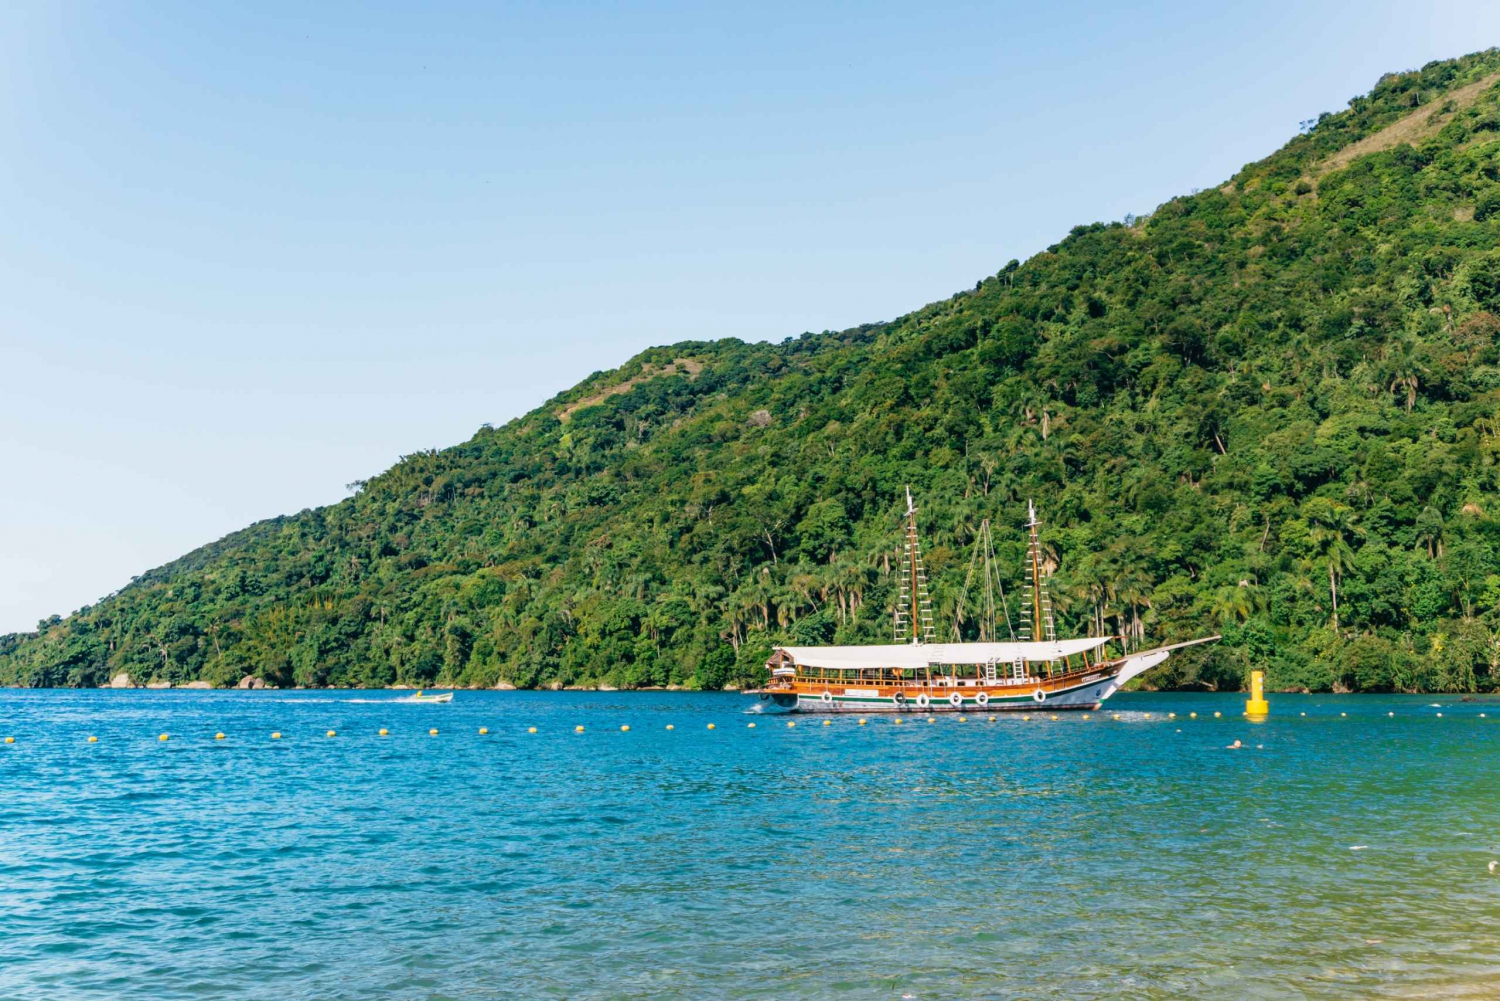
983 698
922 701
899 698
1039 696
827 698
956 700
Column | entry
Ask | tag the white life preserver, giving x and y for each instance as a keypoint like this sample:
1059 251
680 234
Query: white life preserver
956 700
827 698
1039 696
899 698
983 698
922 701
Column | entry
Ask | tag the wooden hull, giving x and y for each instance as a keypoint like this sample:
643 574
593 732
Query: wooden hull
1080 691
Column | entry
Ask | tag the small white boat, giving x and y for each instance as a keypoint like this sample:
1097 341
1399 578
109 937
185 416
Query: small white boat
424 697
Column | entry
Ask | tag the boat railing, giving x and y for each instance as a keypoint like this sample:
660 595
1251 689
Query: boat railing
945 684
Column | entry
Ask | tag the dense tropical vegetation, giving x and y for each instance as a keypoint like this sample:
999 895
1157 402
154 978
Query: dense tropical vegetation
1267 409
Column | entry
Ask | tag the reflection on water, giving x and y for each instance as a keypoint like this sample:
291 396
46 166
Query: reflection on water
1138 857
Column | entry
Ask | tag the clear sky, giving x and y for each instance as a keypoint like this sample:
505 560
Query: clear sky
253 252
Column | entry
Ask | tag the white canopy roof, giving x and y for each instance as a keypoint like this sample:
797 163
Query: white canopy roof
918 655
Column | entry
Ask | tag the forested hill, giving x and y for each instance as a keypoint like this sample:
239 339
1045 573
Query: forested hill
1269 408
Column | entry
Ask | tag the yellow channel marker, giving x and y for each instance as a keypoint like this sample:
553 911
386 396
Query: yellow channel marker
332 733
710 726
10 740
578 729
93 740
828 722
162 737
432 732
531 729
219 736
623 729
483 730
861 721
276 736
384 732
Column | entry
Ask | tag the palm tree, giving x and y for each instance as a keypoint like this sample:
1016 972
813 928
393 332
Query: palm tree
1333 527
1405 371
1429 527
1237 603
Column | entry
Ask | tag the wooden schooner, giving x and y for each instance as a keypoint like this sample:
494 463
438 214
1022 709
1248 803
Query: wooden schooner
915 674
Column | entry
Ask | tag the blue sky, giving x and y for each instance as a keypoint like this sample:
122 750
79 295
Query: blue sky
252 253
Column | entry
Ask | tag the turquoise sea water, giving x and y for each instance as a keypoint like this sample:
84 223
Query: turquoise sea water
1095 858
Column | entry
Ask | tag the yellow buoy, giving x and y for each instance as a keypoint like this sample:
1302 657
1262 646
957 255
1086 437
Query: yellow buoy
992 719
578 729
218 736
932 719
1085 715
1054 717
623 729
162 737
1217 715
861 721
275 736
1302 714
752 726
331 733
1192 715
1024 718
529 729
1440 714
12 740
93 740
1256 705
789 722
898 720
710 726
828 722
1117 715
384 732
1171 715
670 726
1148 715
1343 714
1390 714
432 732
483 731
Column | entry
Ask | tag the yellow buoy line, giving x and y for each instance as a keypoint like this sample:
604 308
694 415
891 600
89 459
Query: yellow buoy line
791 724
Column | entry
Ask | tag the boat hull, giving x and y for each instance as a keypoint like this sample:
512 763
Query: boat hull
1086 693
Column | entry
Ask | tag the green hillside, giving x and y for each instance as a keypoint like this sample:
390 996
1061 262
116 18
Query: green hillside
1258 401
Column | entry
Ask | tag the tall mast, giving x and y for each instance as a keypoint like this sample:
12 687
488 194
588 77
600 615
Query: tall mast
1040 612
913 607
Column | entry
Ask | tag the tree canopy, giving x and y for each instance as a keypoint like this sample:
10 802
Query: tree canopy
1267 409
